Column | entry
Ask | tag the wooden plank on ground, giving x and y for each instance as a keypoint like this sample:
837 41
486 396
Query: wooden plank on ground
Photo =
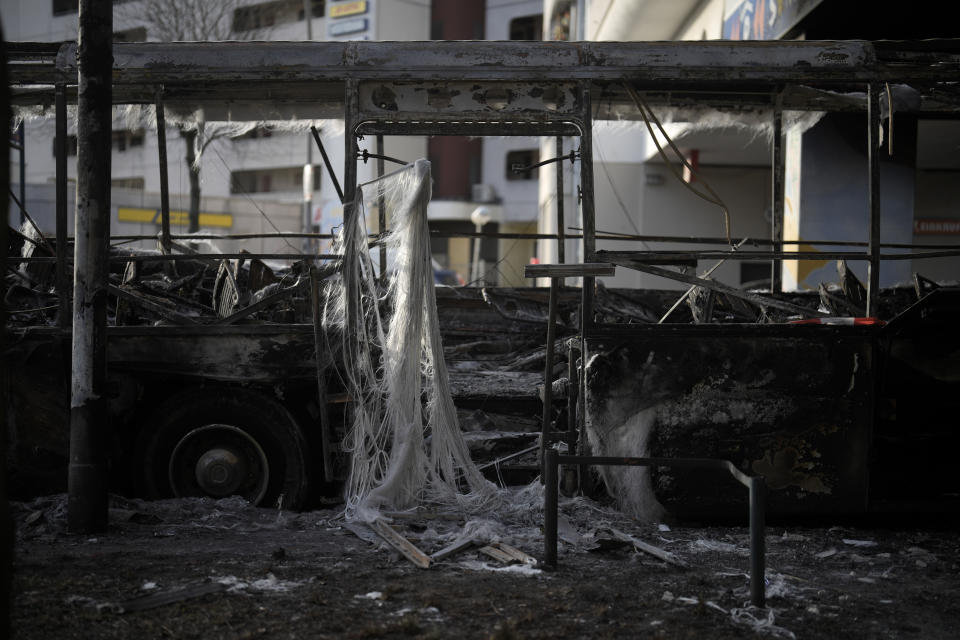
515 554
656 552
452 549
401 544
497 554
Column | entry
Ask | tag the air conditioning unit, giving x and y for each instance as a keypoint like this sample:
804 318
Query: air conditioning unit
484 193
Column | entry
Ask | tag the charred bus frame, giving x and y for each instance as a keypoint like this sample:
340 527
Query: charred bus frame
552 89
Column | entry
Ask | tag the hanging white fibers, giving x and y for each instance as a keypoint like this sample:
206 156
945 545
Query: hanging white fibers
405 442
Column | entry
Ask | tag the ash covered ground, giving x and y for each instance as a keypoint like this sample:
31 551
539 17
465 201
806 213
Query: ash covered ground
198 568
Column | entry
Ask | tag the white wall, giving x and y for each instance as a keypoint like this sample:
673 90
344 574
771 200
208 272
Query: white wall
519 197
670 209
402 20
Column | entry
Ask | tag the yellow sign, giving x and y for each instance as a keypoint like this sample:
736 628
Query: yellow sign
348 9
177 218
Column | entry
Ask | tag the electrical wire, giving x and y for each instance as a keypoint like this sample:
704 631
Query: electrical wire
246 194
713 198
616 194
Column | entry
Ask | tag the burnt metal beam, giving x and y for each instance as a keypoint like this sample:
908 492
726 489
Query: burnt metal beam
659 257
708 61
164 181
719 286
778 160
561 240
309 77
87 478
873 194
64 289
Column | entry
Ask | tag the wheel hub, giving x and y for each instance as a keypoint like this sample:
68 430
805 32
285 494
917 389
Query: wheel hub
219 460
220 471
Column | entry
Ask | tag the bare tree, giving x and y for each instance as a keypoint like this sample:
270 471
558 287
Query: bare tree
204 21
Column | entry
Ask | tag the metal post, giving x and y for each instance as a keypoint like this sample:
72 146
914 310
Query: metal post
572 385
586 206
325 431
350 118
23 170
873 194
326 163
63 279
165 243
545 428
307 196
550 499
87 482
381 213
758 594
561 236
776 211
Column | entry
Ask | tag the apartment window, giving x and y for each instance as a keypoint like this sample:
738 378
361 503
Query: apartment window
123 139
518 161
120 140
127 183
63 7
316 9
71 146
268 14
138 34
527 28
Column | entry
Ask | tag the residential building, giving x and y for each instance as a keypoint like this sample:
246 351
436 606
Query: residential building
251 172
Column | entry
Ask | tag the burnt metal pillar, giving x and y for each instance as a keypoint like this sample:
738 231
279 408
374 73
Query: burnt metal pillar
63 278
546 428
550 506
561 235
586 204
165 244
381 213
22 141
87 481
873 194
351 111
758 542
776 210
307 222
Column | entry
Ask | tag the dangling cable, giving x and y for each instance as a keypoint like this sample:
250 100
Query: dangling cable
713 198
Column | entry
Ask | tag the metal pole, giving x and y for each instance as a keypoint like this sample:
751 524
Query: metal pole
873 194
561 258
758 560
23 170
87 482
164 180
308 196
326 163
381 213
776 211
550 499
63 279
586 188
325 434
350 115
545 427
